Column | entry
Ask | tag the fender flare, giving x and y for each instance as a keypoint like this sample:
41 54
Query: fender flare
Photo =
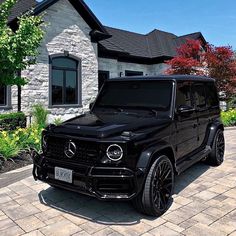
146 157
212 131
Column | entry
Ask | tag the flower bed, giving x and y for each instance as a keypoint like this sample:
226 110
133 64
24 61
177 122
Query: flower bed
16 146
18 142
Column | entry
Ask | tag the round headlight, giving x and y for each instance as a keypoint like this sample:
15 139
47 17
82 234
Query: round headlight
114 152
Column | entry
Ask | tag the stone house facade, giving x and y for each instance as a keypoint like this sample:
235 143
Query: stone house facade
78 53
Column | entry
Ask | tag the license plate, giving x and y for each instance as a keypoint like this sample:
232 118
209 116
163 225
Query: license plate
64 175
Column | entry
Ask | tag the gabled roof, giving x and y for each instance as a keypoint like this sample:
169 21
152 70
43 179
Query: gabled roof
23 6
156 46
151 46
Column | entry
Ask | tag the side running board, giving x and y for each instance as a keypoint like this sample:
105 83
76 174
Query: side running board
190 160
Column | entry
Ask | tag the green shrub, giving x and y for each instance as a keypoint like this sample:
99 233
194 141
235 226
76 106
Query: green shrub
13 142
229 117
232 103
8 145
40 114
57 121
12 121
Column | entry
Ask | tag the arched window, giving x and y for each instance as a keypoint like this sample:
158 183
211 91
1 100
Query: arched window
65 81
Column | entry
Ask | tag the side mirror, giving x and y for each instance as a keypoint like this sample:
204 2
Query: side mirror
91 105
185 108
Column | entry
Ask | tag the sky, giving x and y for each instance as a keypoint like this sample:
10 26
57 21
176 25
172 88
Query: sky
216 19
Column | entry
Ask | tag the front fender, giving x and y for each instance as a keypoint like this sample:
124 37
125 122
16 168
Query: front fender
148 154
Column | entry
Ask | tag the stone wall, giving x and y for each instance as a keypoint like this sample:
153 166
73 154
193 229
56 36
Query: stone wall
115 67
66 31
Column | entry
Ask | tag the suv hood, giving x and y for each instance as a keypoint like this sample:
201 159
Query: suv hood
103 125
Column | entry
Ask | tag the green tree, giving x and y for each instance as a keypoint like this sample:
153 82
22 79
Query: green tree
18 49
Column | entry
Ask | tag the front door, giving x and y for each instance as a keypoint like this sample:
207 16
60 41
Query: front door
186 122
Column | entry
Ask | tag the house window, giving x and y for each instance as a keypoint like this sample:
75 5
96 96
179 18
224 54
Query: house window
3 95
102 77
65 81
133 73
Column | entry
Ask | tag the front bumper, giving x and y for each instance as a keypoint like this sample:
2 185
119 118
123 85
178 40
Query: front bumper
104 183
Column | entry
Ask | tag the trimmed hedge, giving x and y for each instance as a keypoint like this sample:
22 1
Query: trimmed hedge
12 121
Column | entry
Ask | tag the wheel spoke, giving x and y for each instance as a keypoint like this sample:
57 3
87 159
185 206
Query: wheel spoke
162 185
220 147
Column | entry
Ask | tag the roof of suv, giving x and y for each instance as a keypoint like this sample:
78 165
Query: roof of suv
165 77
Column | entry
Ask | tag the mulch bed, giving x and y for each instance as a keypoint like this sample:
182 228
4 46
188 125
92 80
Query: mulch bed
17 162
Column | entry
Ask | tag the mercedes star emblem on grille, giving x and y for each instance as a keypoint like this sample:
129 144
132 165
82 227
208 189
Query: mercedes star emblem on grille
70 149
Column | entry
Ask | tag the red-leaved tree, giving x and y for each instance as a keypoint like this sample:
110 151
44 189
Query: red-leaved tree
221 65
215 62
187 60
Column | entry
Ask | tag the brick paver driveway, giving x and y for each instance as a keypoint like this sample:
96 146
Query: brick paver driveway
204 204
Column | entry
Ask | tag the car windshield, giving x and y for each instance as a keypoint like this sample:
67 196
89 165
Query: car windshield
136 94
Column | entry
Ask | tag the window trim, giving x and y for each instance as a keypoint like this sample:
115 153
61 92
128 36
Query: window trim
79 80
8 99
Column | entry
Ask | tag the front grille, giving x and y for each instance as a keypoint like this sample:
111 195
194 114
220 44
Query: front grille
86 152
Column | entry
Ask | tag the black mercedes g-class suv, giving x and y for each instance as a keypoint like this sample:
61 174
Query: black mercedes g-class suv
139 133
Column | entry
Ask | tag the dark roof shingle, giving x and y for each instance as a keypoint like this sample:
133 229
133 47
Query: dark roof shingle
152 45
21 7
155 44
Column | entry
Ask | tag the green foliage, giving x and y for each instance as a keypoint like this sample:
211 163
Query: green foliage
39 114
16 115
18 49
229 117
13 142
12 121
57 121
8 146
232 103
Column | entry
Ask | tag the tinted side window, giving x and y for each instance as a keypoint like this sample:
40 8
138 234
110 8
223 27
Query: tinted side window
183 96
199 95
212 97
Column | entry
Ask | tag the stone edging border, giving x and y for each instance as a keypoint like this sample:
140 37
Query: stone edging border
18 170
230 128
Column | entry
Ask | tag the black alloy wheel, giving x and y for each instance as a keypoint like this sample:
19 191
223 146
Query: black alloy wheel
220 147
216 157
162 185
155 198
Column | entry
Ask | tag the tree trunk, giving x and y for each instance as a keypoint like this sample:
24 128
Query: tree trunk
19 99
19 95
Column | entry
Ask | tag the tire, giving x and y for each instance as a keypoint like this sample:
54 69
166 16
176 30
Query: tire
216 157
155 198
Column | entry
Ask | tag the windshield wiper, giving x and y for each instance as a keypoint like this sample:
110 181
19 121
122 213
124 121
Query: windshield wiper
152 110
